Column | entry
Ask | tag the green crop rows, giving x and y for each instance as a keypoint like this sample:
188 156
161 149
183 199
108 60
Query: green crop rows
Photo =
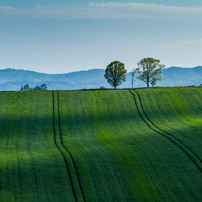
101 145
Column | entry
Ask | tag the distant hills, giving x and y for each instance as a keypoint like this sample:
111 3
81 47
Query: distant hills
13 79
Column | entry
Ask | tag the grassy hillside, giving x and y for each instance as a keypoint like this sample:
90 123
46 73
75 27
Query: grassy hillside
104 145
31 168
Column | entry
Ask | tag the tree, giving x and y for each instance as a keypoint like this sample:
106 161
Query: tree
37 87
26 87
149 70
43 87
115 73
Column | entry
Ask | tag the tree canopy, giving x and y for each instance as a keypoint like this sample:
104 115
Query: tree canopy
115 73
149 70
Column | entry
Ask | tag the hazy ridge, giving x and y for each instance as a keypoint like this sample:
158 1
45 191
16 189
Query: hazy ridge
13 79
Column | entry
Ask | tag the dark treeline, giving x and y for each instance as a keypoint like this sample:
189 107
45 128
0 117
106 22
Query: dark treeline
27 88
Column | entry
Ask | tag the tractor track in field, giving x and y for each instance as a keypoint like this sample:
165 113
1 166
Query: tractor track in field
77 191
74 163
167 132
167 135
65 160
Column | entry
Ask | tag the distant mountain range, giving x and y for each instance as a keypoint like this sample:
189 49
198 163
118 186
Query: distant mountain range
13 79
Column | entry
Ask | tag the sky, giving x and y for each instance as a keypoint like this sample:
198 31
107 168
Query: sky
61 36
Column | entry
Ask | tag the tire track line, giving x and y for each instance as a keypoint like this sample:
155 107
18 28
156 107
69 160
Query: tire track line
170 137
74 163
65 160
167 132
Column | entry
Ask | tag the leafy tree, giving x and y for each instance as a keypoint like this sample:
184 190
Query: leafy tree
43 87
26 87
115 73
37 88
149 70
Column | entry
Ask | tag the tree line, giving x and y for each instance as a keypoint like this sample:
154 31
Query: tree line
27 88
148 70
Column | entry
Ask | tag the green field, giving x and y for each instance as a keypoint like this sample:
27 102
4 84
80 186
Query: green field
101 145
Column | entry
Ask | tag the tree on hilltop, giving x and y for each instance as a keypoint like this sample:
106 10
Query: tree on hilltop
149 70
115 73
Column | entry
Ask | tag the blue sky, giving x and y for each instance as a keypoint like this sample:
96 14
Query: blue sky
71 35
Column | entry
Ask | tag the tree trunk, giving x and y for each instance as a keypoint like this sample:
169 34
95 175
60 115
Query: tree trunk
147 81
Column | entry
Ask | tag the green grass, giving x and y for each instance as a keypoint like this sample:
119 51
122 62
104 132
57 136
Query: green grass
101 145
177 111
31 168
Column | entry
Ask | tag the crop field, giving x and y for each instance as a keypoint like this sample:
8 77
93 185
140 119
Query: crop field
101 145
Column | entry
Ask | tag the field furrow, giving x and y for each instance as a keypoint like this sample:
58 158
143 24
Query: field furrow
57 141
178 112
68 158
31 167
193 156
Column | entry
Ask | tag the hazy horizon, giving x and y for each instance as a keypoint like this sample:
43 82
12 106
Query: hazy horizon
87 69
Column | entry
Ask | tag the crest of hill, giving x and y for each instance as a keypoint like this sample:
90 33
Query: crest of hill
13 79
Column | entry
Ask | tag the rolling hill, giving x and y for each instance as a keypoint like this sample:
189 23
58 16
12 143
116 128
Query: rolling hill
11 79
101 145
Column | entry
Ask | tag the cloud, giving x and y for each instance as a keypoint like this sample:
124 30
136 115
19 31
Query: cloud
133 10
147 7
41 12
104 10
8 10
